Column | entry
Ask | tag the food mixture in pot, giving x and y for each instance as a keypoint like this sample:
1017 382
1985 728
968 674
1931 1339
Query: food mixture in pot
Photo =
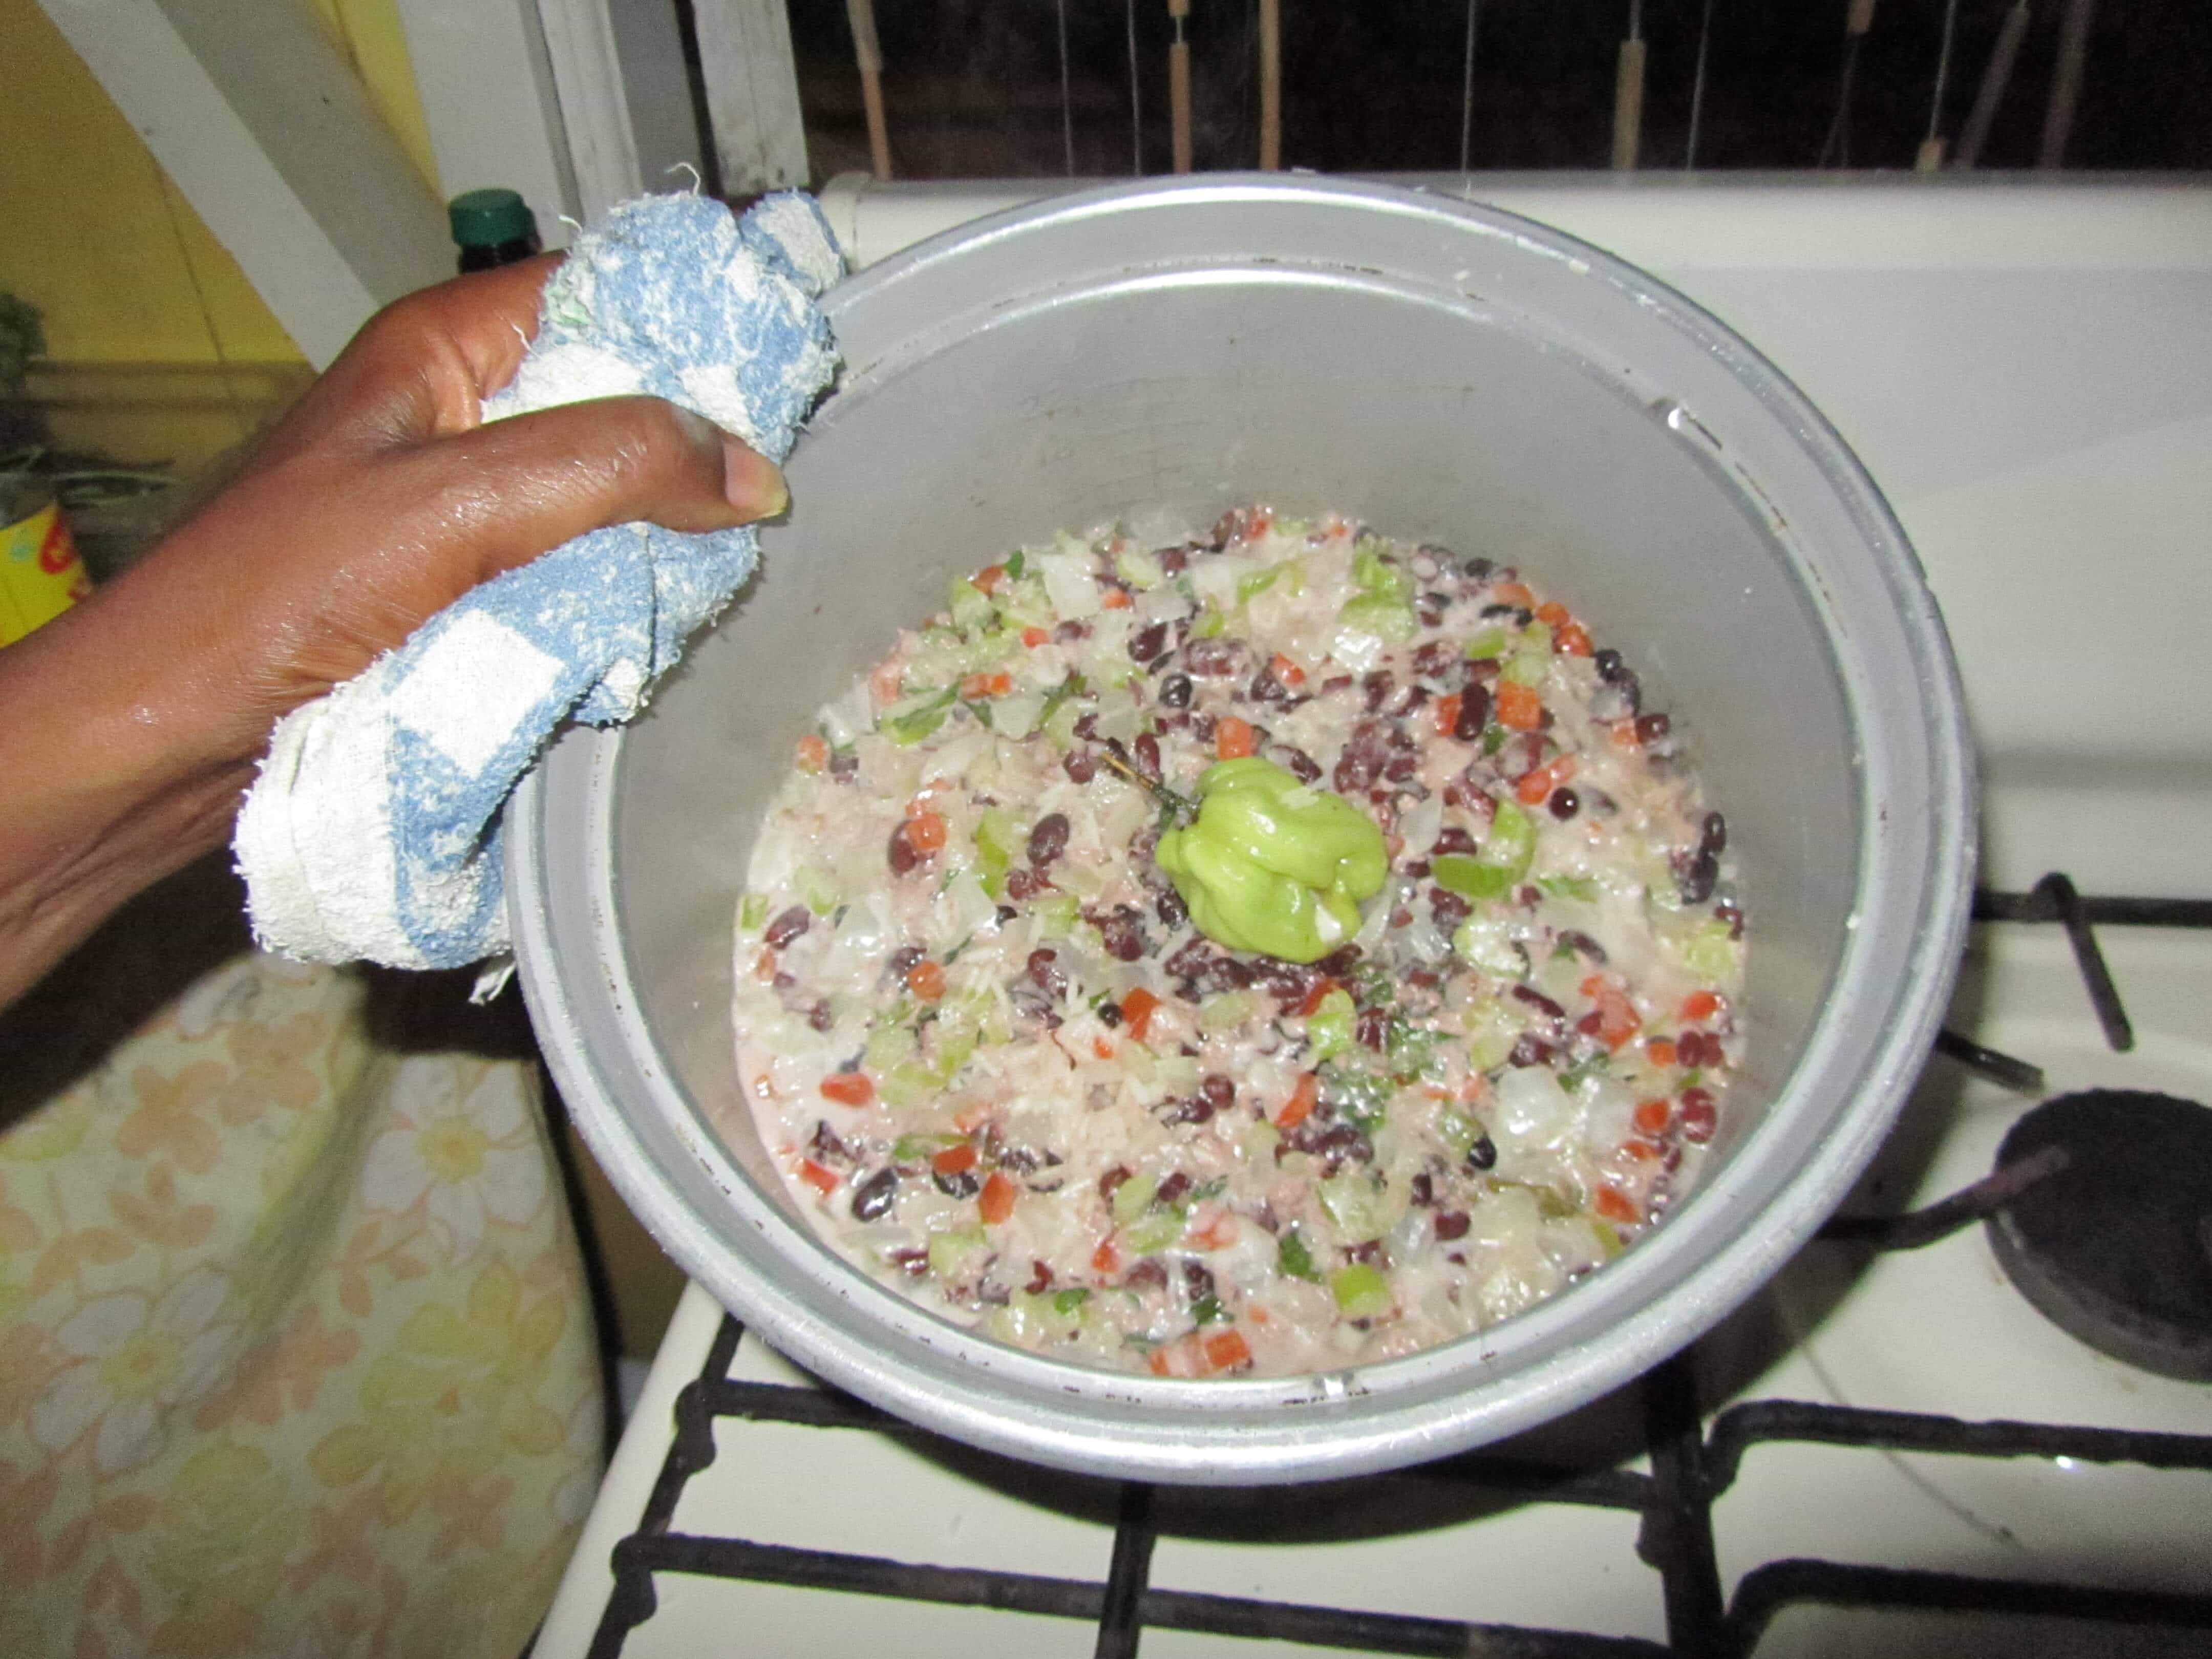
1280 950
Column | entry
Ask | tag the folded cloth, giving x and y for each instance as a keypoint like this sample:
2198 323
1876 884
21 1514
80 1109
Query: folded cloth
373 829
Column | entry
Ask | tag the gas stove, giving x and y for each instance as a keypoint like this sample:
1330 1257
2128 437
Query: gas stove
1893 1448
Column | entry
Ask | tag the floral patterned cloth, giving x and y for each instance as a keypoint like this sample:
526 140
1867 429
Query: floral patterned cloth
295 1357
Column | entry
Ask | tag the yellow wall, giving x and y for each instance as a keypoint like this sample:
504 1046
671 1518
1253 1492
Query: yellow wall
158 346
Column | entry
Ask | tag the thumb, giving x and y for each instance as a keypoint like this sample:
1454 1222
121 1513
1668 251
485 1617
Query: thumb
516 487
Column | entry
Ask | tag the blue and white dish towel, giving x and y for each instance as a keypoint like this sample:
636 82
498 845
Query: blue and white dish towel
373 828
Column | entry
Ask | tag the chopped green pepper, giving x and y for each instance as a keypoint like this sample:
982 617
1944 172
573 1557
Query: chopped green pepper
1328 1028
1273 865
1293 1260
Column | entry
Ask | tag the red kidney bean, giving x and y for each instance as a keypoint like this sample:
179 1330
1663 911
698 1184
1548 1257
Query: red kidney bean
1562 802
1068 632
1213 659
1483 1155
1530 1050
789 926
1123 933
819 1016
1148 755
1173 1187
1112 1180
1080 766
1023 884
1699 1116
1474 713
1220 1093
1046 973
874 1198
1149 644
1376 687
1452 1223
1536 998
1175 691
1422 1190
1048 839
900 853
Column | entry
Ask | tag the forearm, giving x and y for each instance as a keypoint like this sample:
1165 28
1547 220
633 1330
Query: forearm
113 774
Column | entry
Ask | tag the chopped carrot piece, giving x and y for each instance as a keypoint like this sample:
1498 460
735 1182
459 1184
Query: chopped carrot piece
1518 706
1286 670
1512 593
1621 734
1033 637
849 1088
1616 1207
925 832
1137 1011
1106 1259
1233 739
989 577
987 685
1227 1350
971 1116
1257 1315
997 1202
1572 640
1115 598
1302 1100
764 965
926 979
1652 1116
1700 1004
1617 1019
1447 714
1321 988
1640 1152
813 752
1101 1048
1184 1356
823 1179
1537 783
954 1160
1661 1051
884 682
1218 1234
1553 614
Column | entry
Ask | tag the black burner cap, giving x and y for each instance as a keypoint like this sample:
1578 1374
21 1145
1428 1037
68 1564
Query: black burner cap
2115 1247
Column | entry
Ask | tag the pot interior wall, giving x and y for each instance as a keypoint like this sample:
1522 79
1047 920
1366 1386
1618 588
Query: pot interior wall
1174 397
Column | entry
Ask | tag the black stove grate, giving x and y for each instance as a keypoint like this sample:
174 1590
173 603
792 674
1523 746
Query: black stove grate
1691 1467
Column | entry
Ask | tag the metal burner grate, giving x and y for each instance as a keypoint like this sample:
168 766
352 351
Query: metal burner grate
1692 1467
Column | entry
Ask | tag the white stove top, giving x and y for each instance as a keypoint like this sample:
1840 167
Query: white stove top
2028 373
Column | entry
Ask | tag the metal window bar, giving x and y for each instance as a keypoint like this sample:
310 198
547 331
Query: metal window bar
1692 1467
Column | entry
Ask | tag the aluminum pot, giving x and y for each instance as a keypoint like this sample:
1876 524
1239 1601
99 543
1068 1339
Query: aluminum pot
1439 370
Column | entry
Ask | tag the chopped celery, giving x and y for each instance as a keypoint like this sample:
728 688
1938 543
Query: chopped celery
1328 1028
1293 1260
1259 581
1070 1300
1361 1292
887 1047
1709 952
752 913
1259 1140
1056 914
1207 1310
1491 643
1470 877
1155 1232
948 1249
1354 1206
1526 668
1458 1132
1211 623
997 836
1133 1197
1388 620
817 888
1139 568
912 1148
1377 576
1570 887
970 605
909 1082
1017 562
1229 1010
1511 842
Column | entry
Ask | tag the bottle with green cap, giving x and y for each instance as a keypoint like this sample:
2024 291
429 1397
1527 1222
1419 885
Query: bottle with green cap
492 227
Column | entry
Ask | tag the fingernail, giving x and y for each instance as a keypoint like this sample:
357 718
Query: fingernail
752 483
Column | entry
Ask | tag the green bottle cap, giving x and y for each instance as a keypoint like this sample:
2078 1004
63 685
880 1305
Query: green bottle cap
486 218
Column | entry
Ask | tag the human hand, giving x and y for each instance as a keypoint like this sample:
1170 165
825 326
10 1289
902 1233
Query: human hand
129 725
